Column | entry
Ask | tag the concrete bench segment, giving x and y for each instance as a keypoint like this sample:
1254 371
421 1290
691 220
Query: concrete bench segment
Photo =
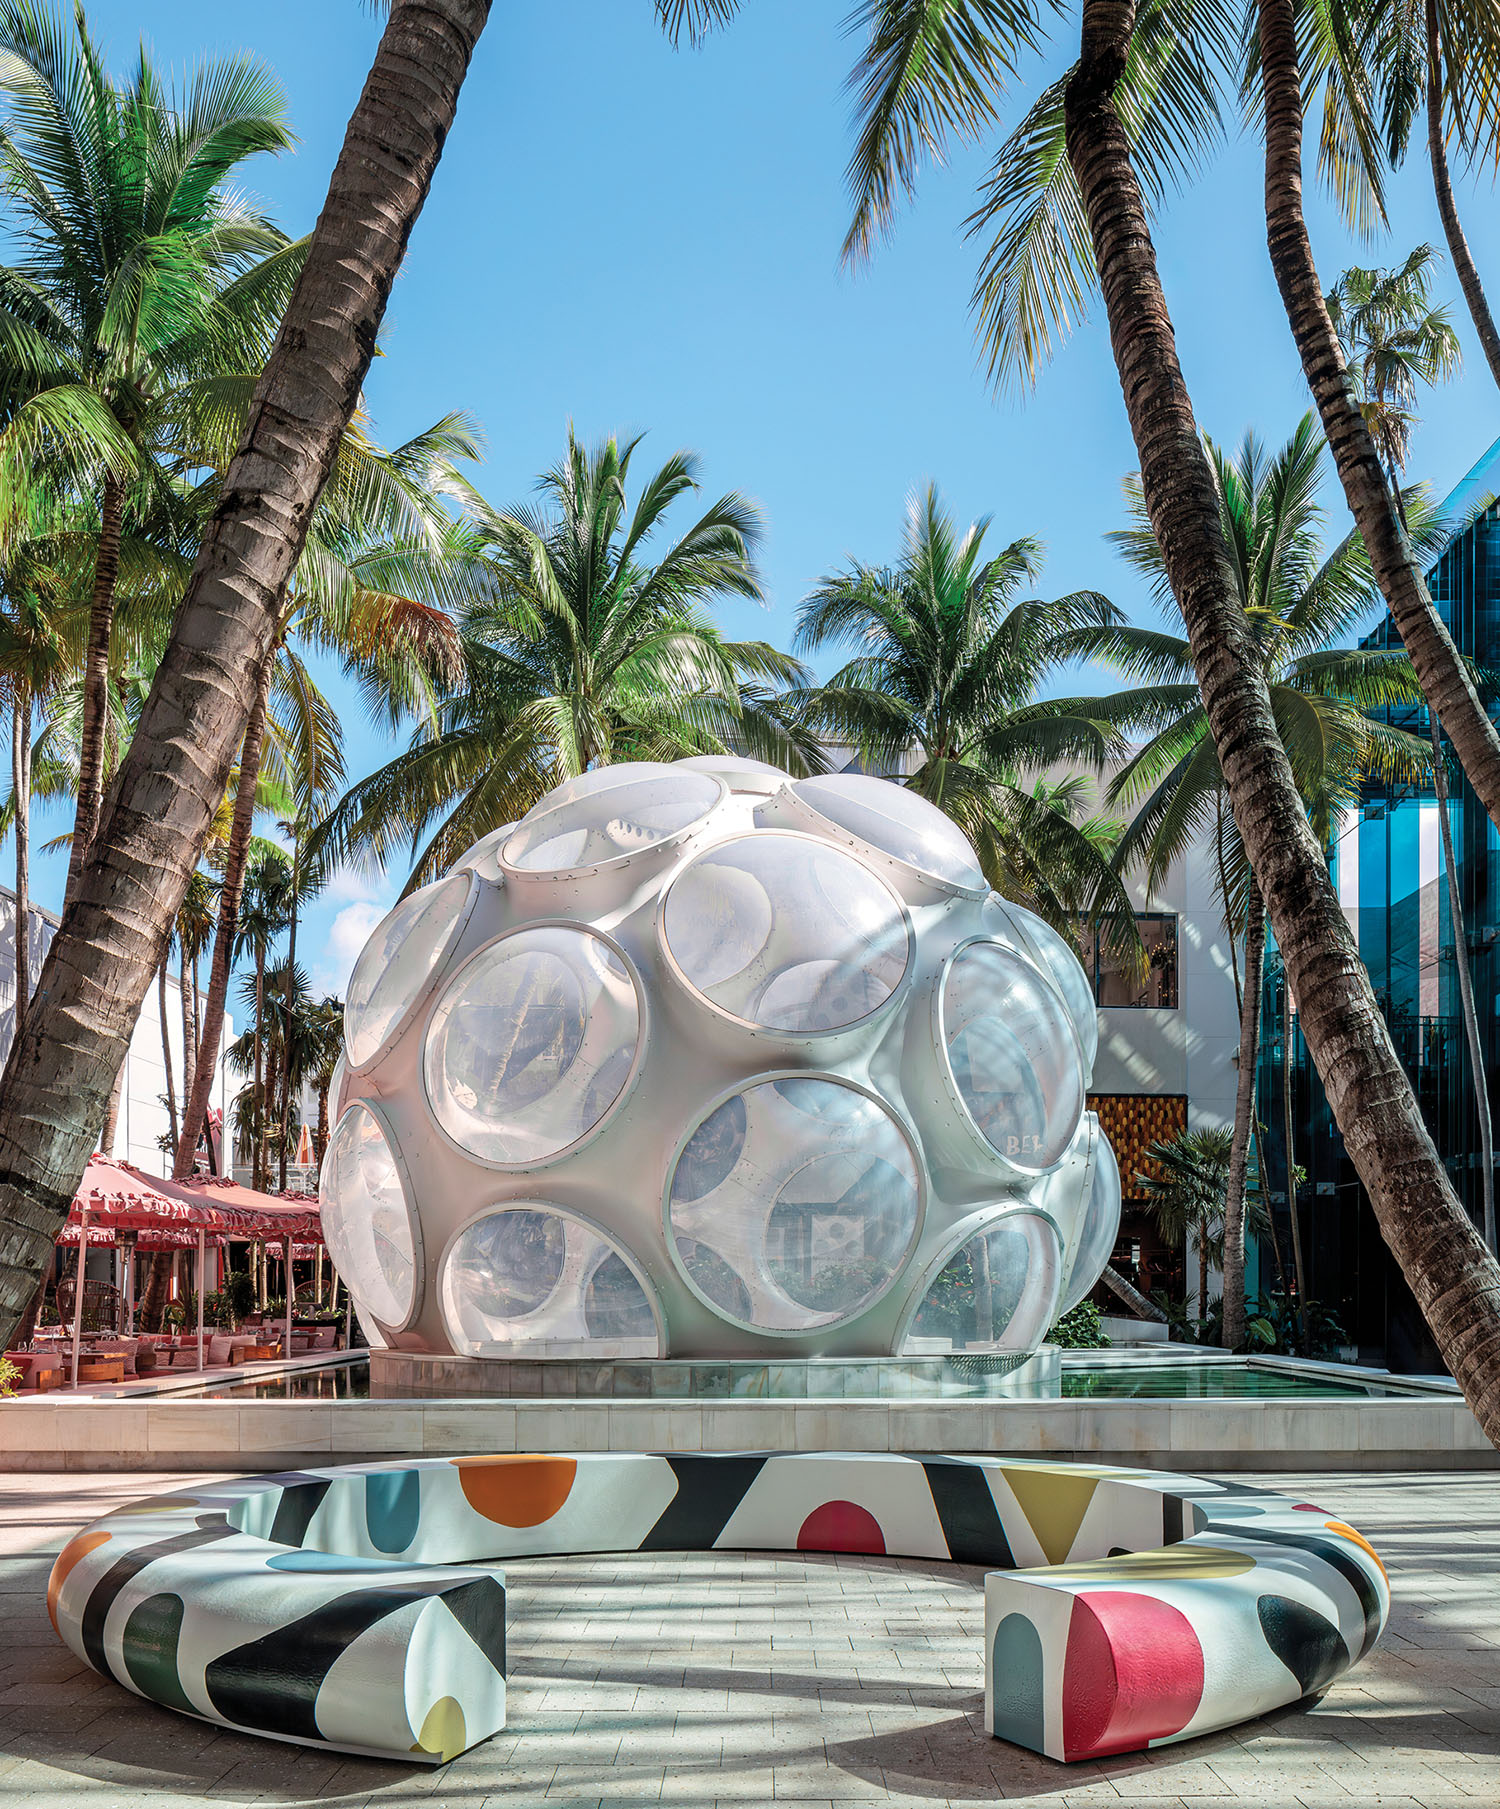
359 1607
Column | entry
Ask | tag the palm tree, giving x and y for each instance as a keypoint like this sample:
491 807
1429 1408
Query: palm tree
1185 1193
1453 1275
41 643
1394 340
1300 607
1278 62
949 658
379 523
193 930
1445 59
581 654
326 1048
265 912
169 786
141 265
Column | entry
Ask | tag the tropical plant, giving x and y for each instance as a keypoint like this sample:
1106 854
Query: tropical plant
1299 607
141 271
582 654
1080 1328
1184 1191
1441 57
1455 1279
949 658
379 523
1394 340
325 1034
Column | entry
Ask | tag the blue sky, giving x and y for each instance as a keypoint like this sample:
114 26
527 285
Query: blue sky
642 239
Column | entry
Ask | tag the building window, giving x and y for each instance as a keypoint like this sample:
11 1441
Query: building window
1117 986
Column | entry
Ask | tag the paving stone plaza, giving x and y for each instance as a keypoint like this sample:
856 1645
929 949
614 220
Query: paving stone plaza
674 1683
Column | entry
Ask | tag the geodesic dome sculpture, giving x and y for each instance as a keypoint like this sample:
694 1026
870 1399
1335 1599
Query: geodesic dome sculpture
698 1060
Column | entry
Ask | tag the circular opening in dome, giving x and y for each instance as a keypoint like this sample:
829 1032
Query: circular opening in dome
898 822
1011 1055
794 1204
786 933
371 1231
997 1291
608 815
756 777
532 1044
395 965
1101 1223
484 857
1060 962
531 1280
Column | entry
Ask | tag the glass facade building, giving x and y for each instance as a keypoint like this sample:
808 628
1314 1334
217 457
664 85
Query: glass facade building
1387 864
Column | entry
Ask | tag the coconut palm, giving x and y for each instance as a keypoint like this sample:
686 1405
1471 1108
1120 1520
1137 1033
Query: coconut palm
379 525
1117 169
325 1035
1301 607
1438 58
141 267
583 653
1185 1189
1395 340
949 657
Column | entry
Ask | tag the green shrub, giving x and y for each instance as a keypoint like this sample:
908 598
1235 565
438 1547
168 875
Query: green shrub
10 1375
1080 1328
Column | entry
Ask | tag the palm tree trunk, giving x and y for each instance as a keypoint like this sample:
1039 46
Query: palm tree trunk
236 857
1466 991
1140 1304
173 775
1455 1279
20 766
1288 1123
187 980
96 681
1443 676
154 1300
286 1022
1244 1118
166 1045
257 1160
111 1112
1453 232
320 1140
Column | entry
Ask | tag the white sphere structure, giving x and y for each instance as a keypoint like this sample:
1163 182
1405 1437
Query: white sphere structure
701 1061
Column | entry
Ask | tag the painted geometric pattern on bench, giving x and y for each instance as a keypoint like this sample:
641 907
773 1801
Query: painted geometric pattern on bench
360 1607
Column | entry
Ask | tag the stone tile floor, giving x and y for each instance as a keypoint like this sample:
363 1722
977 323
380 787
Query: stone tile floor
745 1680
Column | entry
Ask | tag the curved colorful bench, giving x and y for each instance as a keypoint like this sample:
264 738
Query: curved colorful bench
356 1607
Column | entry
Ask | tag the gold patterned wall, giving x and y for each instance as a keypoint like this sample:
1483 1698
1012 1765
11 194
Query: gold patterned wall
1133 1122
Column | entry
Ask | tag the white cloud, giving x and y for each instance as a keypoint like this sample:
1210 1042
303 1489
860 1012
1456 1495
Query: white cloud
347 935
356 885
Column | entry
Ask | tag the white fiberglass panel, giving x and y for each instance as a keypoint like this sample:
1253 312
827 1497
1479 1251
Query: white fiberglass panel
997 1293
755 777
367 1222
397 962
533 1281
608 814
531 1044
894 819
794 1204
1101 1224
484 857
1011 1055
786 933
1064 969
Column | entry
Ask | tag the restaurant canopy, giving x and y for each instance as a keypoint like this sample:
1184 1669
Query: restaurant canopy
116 1196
